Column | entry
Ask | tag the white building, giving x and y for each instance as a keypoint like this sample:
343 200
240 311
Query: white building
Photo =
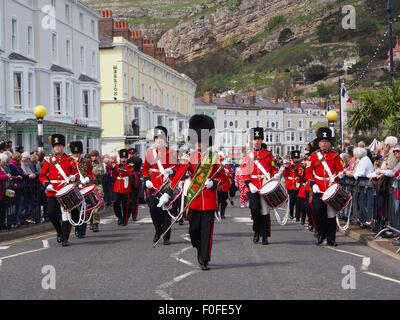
49 56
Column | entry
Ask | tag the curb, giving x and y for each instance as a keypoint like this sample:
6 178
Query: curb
28 231
369 241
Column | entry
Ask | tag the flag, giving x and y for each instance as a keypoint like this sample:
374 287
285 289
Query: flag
345 96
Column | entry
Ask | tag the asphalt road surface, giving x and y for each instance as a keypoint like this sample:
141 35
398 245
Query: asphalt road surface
120 263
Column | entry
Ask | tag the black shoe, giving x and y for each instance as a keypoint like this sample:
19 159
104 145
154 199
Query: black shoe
264 240
223 217
123 224
81 236
315 234
310 227
65 243
320 239
167 242
156 238
200 261
205 266
297 220
332 243
59 239
256 237
119 221
303 223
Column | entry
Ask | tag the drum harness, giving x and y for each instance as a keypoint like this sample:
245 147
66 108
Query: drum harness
285 219
332 178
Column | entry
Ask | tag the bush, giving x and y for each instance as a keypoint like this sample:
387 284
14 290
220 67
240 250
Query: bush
274 22
284 35
316 73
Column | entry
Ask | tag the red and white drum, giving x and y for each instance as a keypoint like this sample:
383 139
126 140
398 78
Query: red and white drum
69 197
161 190
92 198
337 197
274 194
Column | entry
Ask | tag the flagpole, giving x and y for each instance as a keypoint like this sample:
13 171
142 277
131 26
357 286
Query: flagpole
341 86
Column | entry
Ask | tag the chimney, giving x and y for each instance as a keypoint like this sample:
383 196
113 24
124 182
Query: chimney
106 24
121 29
136 39
160 54
274 99
170 61
149 48
296 102
207 97
230 98
252 98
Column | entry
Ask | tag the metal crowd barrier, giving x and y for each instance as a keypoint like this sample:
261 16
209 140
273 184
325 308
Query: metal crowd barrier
380 210
24 200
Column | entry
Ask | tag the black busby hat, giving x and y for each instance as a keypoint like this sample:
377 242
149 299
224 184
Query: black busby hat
201 127
56 139
257 133
313 146
76 147
324 133
295 154
264 146
123 153
160 132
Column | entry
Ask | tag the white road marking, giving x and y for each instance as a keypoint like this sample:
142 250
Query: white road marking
382 277
145 220
164 295
365 263
45 246
4 247
243 219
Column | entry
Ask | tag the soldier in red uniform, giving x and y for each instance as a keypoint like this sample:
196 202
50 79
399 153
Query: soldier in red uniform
258 169
292 173
322 170
157 168
312 147
56 173
223 189
122 188
83 176
205 180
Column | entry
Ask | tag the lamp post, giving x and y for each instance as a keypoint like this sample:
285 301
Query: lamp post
332 116
40 113
390 10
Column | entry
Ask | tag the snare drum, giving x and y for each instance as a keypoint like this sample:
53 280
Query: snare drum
69 197
160 191
337 197
92 198
274 194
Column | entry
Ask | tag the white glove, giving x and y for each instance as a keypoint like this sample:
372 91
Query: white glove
163 200
86 180
169 171
224 163
209 184
315 189
72 178
149 184
277 176
253 188
341 175
50 187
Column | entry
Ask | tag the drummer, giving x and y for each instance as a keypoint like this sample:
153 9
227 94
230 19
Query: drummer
83 175
292 173
158 167
323 168
259 167
56 173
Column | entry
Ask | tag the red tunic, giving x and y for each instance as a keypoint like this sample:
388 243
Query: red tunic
315 171
251 172
227 185
50 173
293 176
122 172
207 199
150 169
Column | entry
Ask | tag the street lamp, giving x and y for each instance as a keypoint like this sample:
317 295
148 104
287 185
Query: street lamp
40 113
332 116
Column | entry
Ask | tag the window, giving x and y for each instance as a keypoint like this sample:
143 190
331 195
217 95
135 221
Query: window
247 124
85 100
82 59
67 14
14 40
289 123
94 64
292 137
53 4
67 98
143 94
159 120
236 124
258 123
267 124
81 20
30 41
93 29
310 124
150 95
57 98
300 123
132 87
155 96
94 104
277 125
68 52
18 90
125 83
300 136
225 123
54 46
30 91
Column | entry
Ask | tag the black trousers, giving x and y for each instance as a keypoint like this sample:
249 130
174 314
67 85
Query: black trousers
121 206
161 219
63 228
293 195
134 198
222 203
325 226
261 223
201 227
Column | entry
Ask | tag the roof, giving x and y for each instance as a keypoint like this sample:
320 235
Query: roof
105 42
85 78
19 57
56 68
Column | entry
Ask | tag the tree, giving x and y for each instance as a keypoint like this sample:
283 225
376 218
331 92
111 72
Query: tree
316 73
322 90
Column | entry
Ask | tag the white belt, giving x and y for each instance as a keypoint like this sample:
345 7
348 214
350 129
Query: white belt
56 181
261 176
154 170
290 178
321 178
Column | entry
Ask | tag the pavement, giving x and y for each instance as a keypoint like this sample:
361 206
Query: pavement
361 235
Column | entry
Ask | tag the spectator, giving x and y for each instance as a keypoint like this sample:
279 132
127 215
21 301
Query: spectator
346 144
28 189
9 146
361 144
33 164
20 149
396 168
2 147
239 182
17 177
364 166
39 165
389 159
3 178
350 161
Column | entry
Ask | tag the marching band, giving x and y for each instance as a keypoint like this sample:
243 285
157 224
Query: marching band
195 185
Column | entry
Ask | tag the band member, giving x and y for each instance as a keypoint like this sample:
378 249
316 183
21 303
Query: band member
157 168
311 148
323 168
134 181
292 173
98 170
201 197
83 176
258 169
56 173
223 189
122 188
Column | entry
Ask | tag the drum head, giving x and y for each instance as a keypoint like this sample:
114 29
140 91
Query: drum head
330 192
269 186
87 189
64 190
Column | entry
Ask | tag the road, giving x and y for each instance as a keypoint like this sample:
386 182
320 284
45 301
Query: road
120 263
